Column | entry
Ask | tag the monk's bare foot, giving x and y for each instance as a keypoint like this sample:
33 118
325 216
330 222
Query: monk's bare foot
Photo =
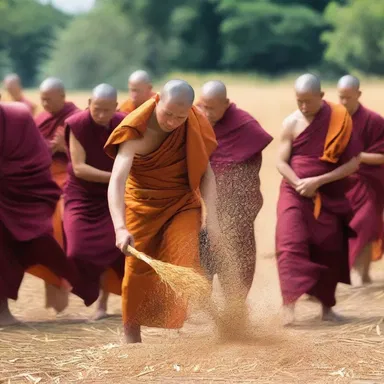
56 298
100 314
6 317
329 315
132 334
366 279
288 314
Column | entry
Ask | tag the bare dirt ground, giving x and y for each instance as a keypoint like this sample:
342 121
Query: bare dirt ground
67 348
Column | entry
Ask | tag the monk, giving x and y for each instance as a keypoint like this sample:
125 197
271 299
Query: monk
51 125
12 83
164 147
369 126
236 163
140 90
28 197
323 216
89 234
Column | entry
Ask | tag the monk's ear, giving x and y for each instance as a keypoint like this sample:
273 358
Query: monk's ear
359 94
227 102
89 102
322 94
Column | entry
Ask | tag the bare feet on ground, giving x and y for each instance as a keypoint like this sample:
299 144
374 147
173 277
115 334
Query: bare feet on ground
101 313
288 314
329 315
132 334
6 317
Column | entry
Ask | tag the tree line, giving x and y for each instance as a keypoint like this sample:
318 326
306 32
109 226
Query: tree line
268 37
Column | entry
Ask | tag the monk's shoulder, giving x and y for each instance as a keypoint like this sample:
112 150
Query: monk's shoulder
16 111
291 120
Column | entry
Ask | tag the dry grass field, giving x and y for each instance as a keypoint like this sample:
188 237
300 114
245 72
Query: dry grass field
67 349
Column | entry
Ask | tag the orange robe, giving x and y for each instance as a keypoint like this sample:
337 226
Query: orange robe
163 212
129 106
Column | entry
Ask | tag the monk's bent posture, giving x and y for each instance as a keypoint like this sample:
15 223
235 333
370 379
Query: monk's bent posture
369 126
140 90
316 225
14 88
88 228
28 197
164 148
51 125
236 163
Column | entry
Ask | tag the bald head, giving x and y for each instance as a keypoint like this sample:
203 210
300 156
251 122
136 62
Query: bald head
308 83
309 96
348 88
102 104
104 91
214 89
178 92
140 76
349 81
52 83
12 84
52 95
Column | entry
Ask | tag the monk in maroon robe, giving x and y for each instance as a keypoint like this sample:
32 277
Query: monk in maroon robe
89 232
369 126
28 197
324 217
12 83
51 125
236 163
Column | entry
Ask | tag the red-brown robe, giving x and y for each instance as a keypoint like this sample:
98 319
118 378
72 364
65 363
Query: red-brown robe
314 254
28 196
370 128
89 234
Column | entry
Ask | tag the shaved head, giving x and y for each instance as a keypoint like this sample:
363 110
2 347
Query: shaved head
12 84
140 76
348 88
178 92
52 95
308 83
349 81
104 91
102 104
309 96
214 89
52 83
213 101
12 77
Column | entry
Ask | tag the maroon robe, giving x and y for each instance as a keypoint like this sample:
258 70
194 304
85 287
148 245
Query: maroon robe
49 125
89 233
313 254
370 128
28 196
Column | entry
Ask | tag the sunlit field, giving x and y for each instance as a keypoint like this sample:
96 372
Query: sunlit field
68 348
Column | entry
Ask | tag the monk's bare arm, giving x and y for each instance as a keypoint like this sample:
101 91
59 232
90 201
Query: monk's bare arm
120 172
284 154
372 158
209 195
80 168
341 172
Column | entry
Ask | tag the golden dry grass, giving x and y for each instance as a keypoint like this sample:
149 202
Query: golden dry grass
68 349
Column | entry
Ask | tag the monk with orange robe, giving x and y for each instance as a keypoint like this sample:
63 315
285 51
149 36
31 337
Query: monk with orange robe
12 83
51 125
236 163
90 238
140 90
324 217
28 197
164 147
369 126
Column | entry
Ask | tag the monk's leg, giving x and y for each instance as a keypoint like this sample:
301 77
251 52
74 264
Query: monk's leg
132 333
6 317
101 310
362 266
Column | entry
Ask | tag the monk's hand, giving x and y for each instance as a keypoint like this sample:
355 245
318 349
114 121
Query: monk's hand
123 239
59 143
307 187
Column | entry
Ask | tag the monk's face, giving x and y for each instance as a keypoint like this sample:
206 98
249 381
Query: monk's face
102 110
213 108
171 115
349 97
139 92
309 103
52 100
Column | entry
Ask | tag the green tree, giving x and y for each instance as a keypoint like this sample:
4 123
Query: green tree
269 37
101 46
357 38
